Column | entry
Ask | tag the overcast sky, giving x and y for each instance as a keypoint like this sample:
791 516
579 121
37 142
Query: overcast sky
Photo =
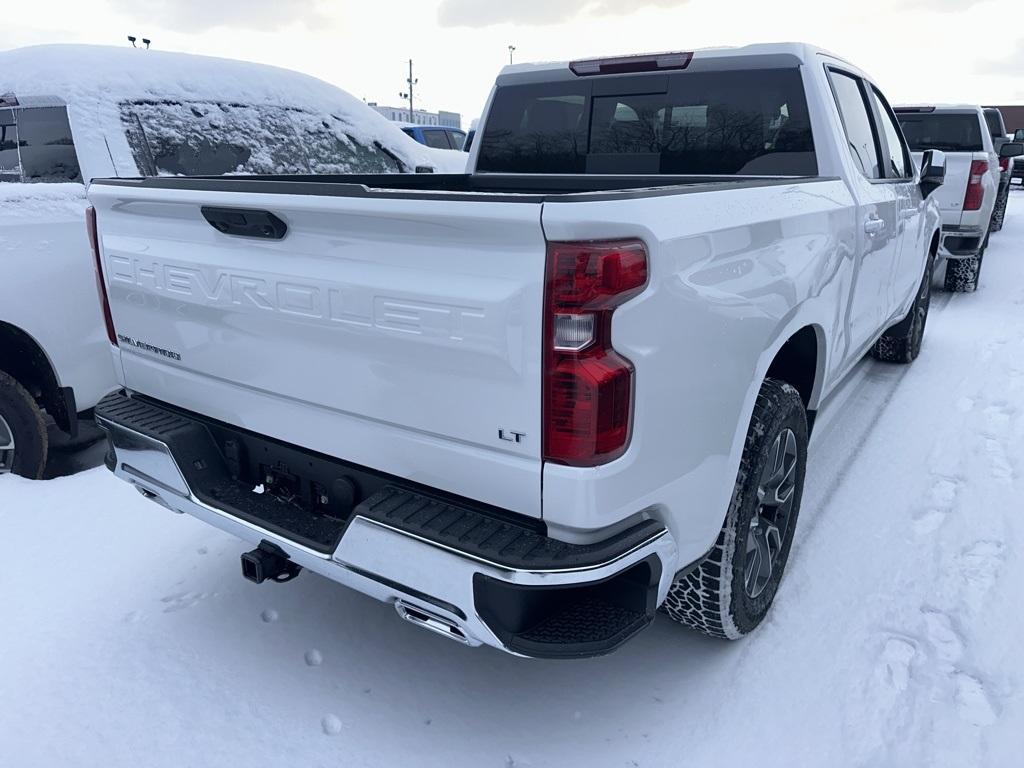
917 50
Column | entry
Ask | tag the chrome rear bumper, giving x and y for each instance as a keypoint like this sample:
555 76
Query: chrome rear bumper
462 595
961 242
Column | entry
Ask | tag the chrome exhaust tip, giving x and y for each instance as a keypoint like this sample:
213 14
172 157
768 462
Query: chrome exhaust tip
431 621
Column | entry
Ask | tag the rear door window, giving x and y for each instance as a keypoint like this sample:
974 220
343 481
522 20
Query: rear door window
36 146
860 134
948 131
899 166
438 139
752 122
457 139
47 149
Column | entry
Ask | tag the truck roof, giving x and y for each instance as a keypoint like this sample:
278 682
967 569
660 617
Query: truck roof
760 55
960 109
97 73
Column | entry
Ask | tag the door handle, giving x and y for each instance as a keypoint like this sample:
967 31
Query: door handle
874 225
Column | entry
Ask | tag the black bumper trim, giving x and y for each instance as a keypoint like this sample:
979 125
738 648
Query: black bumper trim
220 463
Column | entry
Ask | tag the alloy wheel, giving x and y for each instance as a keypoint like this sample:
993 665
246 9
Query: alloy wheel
6 447
776 491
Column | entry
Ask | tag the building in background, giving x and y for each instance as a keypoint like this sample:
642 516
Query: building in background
1013 117
420 117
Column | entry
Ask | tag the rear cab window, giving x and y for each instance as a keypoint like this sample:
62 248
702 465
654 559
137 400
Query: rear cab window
171 138
947 131
752 122
995 123
36 145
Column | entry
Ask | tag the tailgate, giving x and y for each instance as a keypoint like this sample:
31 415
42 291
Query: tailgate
399 333
950 194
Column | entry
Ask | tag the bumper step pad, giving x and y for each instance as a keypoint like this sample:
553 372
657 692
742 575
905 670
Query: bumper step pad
487 536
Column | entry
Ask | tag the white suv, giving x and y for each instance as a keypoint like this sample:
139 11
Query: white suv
72 113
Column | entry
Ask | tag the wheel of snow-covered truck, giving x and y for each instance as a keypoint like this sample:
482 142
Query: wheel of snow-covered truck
902 342
23 441
731 590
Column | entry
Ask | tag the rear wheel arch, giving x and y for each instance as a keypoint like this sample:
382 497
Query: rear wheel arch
800 362
25 360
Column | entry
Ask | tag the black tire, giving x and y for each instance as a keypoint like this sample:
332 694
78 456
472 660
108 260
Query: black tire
999 214
902 342
715 597
962 274
22 418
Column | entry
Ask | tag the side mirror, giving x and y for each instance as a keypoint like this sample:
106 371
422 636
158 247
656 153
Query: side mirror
933 170
1012 149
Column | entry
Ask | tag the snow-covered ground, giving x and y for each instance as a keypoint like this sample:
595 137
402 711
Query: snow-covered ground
128 637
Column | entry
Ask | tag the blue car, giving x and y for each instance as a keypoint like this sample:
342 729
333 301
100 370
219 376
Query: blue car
436 136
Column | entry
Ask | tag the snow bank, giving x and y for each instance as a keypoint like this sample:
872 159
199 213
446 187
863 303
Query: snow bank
17 193
94 80
21 202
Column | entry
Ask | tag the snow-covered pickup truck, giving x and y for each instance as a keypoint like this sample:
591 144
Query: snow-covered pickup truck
530 404
71 113
973 177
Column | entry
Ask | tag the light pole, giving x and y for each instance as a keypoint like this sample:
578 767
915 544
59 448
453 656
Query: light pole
511 50
411 81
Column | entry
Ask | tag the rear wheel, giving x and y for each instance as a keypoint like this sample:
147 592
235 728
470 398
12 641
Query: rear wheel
962 274
730 591
902 342
23 440
1000 210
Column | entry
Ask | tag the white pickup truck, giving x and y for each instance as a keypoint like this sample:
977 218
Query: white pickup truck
71 113
973 182
531 404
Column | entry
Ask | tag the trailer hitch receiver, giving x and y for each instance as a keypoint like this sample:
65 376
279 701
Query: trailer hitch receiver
268 561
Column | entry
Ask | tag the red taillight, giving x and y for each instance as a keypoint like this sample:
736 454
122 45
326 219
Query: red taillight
1004 163
975 192
588 386
94 244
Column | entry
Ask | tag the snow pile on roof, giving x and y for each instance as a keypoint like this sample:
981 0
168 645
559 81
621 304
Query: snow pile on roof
94 80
